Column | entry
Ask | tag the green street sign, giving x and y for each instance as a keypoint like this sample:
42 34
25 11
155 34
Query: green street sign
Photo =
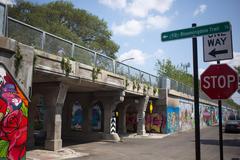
196 31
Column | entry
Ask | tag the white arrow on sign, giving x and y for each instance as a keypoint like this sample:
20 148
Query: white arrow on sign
217 47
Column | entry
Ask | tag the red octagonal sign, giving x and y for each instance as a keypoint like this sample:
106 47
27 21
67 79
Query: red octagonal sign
219 81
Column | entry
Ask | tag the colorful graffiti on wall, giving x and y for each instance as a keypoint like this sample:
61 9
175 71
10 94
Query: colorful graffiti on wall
155 122
208 115
77 117
186 120
172 119
13 118
96 118
131 122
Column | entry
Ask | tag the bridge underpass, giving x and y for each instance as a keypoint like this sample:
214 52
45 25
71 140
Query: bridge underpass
90 102
90 93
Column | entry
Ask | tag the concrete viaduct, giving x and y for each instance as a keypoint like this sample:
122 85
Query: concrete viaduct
100 95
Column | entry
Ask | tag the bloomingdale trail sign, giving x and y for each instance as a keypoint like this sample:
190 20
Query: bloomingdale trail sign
196 31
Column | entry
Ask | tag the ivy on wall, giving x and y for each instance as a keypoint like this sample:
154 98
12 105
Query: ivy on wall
18 59
95 73
155 90
66 66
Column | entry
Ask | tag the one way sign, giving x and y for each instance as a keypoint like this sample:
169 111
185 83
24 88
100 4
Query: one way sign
217 47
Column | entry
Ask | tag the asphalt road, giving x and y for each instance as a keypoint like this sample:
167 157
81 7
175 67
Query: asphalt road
180 146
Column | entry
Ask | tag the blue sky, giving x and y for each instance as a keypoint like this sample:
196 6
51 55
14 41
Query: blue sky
137 25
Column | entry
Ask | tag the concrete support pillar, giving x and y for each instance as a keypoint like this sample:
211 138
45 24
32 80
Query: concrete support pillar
143 102
122 119
88 119
109 107
55 100
110 101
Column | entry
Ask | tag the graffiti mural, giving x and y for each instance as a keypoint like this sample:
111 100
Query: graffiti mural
13 118
77 117
131 122
186 115
172 119
155 122
214 116
96 117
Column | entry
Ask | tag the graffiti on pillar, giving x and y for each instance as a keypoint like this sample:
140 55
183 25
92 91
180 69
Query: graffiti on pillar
172 119
186 120
131 122
155 122
77 117
13 118
96 117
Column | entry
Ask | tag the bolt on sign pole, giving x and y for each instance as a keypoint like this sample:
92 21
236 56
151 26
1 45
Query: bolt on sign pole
220 126
196 97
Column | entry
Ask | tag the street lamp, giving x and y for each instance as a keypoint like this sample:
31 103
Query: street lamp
127 59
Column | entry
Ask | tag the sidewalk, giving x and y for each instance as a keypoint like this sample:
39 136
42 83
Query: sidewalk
67 153
64 153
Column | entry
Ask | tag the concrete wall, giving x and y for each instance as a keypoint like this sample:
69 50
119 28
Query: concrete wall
8 48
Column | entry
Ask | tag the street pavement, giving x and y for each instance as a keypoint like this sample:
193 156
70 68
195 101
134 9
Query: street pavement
179 146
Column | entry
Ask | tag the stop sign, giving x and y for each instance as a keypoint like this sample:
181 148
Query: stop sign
219 81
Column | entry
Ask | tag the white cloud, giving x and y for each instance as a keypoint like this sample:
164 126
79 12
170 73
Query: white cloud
138 55
157 22
10 2
114 4
201 70
135 27
200 10
159 54
235 61
130 28
141 8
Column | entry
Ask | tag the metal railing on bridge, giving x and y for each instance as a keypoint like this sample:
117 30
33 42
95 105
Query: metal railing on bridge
52 44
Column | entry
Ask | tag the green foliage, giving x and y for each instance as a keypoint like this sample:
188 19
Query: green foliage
126 83
231 103
166 68
34 60
4 148
146 87
138 86
66 66
134 85
18 58
238 69
155 90
95 73
62 19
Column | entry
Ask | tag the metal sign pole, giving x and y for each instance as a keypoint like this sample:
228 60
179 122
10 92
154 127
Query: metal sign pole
220 126
196 97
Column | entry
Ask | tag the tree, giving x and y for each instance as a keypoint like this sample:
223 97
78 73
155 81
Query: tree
62 19
166 68
238 69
